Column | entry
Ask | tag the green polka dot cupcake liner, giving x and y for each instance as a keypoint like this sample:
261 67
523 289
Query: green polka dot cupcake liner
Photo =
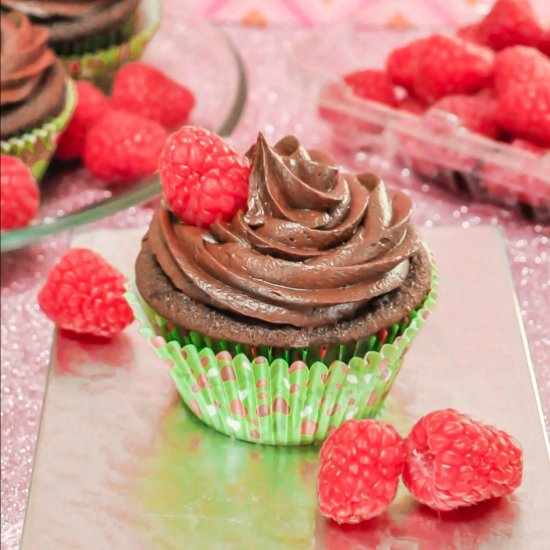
97 58
37 147
266 396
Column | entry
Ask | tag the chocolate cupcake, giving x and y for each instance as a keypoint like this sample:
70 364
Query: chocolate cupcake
93 37
36 97
307 301
80 26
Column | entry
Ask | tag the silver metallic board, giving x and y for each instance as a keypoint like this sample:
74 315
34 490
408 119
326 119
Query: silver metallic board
120 464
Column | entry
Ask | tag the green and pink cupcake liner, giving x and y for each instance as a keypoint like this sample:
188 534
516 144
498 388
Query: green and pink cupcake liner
97 58
281 397
36 147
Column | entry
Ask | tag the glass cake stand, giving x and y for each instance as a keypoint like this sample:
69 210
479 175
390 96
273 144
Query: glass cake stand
191 51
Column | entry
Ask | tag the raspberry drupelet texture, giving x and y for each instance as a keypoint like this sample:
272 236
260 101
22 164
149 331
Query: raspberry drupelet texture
476 113
122 147
359 468
92 104
372 84
524 111
519 65
449 66
146 91
85 294
402 63
203 179
510 23
19 193
453 461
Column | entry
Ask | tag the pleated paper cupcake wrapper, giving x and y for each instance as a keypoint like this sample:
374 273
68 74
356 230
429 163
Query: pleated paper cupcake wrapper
278 401
90 44
100 61
36 147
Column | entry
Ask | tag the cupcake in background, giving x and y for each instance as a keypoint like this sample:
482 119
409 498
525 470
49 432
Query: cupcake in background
37 98
283 291
82 26
93 37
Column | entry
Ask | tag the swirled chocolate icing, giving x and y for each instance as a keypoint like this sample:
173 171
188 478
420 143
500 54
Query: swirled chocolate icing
32 79
25 58
315 246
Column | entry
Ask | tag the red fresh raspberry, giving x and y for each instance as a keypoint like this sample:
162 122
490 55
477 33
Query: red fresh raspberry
402 63
359 468
510 23
544 46
524 111
520 64
413 105
453 461
85 294
19 196
476 113
146 91
470 33
203 179
372 84
91 105
122 147
450 66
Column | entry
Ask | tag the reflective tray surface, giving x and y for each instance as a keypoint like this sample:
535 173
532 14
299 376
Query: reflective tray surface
121 464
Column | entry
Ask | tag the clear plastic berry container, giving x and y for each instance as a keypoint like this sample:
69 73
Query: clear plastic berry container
434 147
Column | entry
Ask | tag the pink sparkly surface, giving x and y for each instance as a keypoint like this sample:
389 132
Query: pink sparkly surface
275 106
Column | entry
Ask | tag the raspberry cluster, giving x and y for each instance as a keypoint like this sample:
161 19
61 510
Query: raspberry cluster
494 75
448 461
119 138
494 78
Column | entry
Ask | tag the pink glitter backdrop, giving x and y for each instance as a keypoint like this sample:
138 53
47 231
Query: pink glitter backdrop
276 107
396 14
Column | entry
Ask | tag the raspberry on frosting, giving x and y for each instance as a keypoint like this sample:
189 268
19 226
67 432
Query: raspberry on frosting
305 238
202 178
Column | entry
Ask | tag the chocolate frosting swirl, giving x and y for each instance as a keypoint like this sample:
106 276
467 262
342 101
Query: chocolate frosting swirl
314 247
25 58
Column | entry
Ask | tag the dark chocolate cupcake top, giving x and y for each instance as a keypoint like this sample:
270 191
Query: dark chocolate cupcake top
25 58
32 77
315 246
